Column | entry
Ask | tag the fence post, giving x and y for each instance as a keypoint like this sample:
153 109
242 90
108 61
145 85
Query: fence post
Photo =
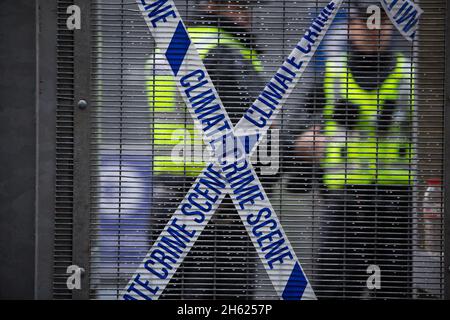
447 160
81 192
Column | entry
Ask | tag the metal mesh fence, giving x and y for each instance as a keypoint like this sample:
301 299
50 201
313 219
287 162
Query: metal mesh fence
353 165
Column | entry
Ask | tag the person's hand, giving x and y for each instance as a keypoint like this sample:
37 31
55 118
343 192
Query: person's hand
310 145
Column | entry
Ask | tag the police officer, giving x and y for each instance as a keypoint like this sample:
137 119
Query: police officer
356 139
225 263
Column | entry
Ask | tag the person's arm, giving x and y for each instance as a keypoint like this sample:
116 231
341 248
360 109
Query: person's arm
302 127
302 139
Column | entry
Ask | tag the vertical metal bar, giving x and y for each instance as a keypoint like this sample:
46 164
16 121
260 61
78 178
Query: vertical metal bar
81 210
447 158
46 148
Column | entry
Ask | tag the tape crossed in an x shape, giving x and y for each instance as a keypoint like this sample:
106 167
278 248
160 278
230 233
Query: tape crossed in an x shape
232 172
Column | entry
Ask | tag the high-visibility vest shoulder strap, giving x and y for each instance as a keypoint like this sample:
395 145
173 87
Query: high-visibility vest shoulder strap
338 69
208 38
339 79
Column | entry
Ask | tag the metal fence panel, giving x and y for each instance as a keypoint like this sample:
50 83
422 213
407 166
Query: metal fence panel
341 226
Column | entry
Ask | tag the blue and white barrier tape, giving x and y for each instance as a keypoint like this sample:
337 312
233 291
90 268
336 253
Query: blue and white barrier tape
405 15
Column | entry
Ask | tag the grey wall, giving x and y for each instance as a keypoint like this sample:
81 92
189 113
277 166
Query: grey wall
17 147
27 147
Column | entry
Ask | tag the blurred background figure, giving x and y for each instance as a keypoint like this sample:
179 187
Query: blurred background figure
221 32
360 150
122 237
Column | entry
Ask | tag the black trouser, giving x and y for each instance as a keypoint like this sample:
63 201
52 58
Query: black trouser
222 263
364 226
